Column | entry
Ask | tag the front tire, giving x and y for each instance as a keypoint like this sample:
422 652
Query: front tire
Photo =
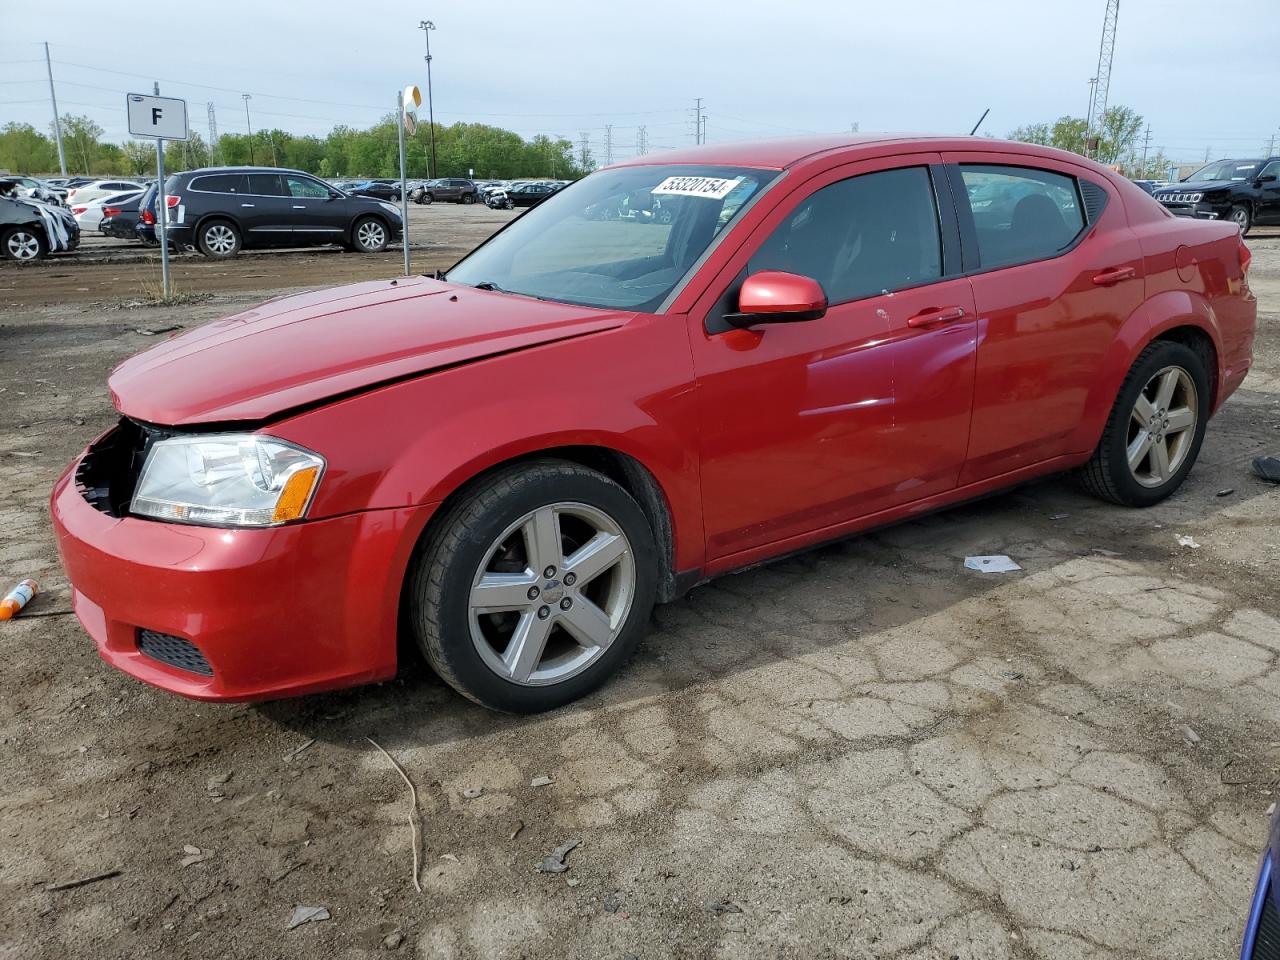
1242 217
23 244
218 240
1153 435
369 235
535 587
468 198
426 198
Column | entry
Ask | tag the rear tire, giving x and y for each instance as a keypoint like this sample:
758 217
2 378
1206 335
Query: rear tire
528 525
468 198
426 198
1153 435
218 239
23 244
1242 217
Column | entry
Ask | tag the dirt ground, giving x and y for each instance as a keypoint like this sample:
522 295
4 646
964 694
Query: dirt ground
864 751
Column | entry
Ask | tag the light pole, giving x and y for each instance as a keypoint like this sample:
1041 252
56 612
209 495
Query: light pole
426 26
246 98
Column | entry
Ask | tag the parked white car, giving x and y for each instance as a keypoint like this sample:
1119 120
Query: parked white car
96 189
89 214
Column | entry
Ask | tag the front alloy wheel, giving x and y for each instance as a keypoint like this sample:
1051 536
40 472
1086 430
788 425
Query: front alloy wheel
371 236
1162 427
534 587
23 244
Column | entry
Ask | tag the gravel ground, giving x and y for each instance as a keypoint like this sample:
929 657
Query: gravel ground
863 751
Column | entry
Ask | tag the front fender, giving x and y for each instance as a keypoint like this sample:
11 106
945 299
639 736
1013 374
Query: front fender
1154 317
629 390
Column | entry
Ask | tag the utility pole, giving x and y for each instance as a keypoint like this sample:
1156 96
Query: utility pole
853 127
404 193
246 98
213 132
704 128
697 120
426 26
642 141
584 152
1207 151
1271 146
608 144
1146 142
57 121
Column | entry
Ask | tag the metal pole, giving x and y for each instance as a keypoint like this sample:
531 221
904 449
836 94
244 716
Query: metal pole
57 121
404 183
426 26
246 98
162 213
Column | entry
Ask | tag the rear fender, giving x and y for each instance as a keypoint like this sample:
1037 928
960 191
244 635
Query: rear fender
1156 316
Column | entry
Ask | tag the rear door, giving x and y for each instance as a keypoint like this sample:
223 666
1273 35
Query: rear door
806 426
1056 271
317 216
272 209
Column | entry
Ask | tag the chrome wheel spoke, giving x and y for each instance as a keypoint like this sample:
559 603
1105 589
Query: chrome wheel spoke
497 592
1139 449
595 556
1168 383
524 651
542 540
1180 420
1143 411
1160 460
588 624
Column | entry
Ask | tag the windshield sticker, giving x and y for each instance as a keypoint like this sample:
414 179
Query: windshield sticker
715 188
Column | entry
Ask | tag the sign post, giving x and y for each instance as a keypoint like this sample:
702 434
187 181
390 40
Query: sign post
407 103
162 118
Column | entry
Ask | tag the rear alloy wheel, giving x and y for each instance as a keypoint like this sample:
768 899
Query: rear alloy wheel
535 588
370 235
1242 218
1155 430
468 198
219 240
23 244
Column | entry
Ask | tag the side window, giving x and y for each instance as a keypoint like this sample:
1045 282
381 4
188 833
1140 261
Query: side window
1272 169
861 237
220 183
1020 213
266 185
305 187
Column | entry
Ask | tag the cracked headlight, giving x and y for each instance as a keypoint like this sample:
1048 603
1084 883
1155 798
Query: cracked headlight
227 480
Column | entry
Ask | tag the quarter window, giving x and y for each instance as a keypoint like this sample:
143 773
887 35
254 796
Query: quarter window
861 237
221 183
1020 213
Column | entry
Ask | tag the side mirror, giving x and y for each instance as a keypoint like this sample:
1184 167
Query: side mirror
1267 178
772 296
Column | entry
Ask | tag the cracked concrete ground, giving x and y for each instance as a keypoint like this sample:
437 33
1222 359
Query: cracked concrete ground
864 751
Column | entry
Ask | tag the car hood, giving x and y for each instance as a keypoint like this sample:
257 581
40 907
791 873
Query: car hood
1196 186
297 351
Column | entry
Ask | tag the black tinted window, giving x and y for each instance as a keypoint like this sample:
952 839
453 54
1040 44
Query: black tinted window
306 187
1020 213
220 183
266 184
861 237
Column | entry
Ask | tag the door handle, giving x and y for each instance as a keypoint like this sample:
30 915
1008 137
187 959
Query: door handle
246 204
1114 275
927 318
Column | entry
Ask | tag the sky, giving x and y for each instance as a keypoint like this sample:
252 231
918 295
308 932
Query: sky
762 68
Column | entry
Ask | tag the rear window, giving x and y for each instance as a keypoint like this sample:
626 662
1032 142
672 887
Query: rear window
266 185
1021 214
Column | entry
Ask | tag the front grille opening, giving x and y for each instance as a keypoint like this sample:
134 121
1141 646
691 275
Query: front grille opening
174 651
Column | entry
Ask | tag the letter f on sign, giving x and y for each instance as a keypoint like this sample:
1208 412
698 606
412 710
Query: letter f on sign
155 115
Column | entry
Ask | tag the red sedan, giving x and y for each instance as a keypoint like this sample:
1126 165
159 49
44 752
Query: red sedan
753 349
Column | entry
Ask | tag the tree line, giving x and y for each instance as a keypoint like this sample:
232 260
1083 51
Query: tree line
344 152
1119 141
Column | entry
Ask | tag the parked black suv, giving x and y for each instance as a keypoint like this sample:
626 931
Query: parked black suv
1246 191
218 210
455 189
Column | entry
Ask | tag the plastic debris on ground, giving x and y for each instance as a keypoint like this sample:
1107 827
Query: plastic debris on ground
303 915
554 863
17 598
996 563
1188 541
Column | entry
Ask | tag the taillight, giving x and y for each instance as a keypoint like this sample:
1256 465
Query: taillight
172 201
78 210
111 211
148 217
1246 258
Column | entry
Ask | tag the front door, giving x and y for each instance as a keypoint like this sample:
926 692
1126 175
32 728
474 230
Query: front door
317 216
809 425
1267 207
272 213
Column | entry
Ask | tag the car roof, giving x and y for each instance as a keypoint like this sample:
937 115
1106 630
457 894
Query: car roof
783 152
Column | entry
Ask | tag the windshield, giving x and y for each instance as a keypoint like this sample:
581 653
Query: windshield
1226 170
619 238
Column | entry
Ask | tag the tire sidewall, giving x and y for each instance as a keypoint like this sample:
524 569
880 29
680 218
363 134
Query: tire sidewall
1164 354
42 246
455 571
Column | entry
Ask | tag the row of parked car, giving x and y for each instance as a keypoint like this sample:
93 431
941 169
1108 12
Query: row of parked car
222 210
